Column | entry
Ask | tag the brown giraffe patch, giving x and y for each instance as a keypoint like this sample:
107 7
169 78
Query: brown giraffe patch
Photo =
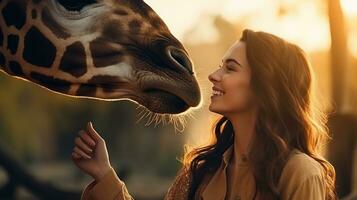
104 54
56 29
15 14
140 7
120 12
108 83
2 60
12 43
38 49
74 60
113 29
135 26
157 23
16 68
51 83
86 90
1 37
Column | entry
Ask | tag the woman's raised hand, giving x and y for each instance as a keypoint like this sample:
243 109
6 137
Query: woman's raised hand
90 153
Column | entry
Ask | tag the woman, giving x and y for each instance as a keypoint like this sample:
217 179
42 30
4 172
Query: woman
266 143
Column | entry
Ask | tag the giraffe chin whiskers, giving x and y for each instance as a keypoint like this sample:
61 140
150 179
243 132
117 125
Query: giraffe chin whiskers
179 121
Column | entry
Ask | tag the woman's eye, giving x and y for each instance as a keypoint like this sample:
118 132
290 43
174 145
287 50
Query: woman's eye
230 68
75 5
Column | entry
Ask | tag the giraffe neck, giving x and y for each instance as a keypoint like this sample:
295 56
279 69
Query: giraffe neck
116 50
28 50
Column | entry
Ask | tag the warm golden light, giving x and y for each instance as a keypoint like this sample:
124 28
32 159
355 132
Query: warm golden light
303 22
349 7
296 25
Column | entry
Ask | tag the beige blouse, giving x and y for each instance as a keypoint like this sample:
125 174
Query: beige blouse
301 179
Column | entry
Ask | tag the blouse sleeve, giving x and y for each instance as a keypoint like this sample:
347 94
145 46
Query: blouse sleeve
302 178
312 188
110 187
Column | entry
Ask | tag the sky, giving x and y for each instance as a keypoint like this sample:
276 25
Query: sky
304 23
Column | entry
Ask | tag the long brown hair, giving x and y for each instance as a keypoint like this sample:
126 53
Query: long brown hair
288 117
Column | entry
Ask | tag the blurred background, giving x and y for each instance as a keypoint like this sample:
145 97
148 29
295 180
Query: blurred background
37 128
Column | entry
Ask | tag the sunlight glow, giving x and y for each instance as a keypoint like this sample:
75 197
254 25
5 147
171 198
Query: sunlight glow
181 15
352 43
237 8
349 7
304 24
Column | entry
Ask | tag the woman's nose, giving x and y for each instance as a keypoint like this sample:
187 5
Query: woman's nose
213 77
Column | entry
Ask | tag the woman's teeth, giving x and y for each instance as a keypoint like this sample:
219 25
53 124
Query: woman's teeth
218 93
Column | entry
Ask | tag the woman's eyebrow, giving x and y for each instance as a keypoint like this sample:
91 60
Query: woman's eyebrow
232 60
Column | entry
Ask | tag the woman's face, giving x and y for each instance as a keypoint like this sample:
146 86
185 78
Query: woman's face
231 92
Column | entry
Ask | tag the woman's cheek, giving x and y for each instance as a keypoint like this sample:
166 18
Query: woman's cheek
242 96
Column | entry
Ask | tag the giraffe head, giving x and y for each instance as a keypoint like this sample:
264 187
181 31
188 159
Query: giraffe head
103 49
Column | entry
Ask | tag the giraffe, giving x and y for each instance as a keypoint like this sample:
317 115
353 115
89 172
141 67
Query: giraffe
101 49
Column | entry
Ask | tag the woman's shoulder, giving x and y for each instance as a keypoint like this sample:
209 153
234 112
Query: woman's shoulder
302 164
302 176
300 168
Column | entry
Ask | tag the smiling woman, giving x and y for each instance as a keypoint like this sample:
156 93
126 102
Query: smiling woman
265 146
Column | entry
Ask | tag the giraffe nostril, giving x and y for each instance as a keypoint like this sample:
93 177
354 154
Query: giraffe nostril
180 58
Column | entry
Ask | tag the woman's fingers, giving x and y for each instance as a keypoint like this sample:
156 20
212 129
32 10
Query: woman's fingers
81 152
75 155
93 132
86 138
79 142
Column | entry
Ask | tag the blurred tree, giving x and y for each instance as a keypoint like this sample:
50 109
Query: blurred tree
339 52
341 123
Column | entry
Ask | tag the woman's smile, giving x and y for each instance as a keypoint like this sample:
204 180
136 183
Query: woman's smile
216 93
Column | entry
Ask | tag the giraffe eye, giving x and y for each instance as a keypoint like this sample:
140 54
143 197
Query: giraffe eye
75 5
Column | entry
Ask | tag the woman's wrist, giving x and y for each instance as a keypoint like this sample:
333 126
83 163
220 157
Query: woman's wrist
102 172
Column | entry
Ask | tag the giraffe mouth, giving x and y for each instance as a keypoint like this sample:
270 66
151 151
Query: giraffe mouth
162 94
160 101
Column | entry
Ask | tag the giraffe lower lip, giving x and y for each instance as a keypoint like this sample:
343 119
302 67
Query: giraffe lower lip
164 102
